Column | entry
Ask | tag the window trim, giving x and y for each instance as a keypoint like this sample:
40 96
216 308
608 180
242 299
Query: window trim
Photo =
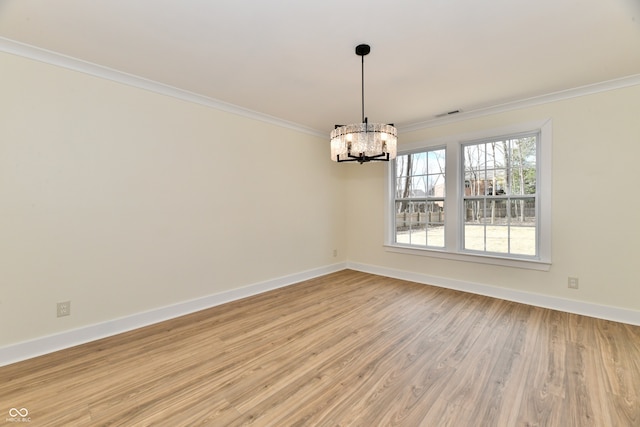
453 235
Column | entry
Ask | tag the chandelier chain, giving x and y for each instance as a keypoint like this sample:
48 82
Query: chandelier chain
362 75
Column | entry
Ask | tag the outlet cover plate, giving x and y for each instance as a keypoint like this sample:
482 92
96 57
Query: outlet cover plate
64 309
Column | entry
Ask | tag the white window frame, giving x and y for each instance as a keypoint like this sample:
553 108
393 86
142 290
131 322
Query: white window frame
453 198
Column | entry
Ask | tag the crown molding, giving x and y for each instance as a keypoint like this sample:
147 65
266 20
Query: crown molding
53 58
60 60
591 89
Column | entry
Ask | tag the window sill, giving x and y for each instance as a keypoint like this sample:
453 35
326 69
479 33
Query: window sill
529 264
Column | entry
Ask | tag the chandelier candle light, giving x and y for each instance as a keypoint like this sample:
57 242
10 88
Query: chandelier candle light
364 142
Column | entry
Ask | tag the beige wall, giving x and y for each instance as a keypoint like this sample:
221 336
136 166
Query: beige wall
596 211
122 200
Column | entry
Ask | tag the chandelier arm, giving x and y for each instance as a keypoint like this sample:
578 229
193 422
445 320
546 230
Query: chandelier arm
362 158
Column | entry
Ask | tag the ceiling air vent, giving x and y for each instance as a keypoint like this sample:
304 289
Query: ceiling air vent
448 113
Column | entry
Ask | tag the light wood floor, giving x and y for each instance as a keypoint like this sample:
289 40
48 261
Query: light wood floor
347 349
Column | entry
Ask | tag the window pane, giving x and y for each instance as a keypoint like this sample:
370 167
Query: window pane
418 164
435 227
403 221
493 157
436 185
497 182
435 212
401 188
474 230
523 240
497 239
436 162
435 235
402 207
475 183
402 235
418 211
417 187
418 234
523 211
474 237
497 212
523 227
527 181
523 161
474 211
400 165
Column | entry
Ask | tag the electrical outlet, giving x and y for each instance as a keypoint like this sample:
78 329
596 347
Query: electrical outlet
572 282
64 308
335 253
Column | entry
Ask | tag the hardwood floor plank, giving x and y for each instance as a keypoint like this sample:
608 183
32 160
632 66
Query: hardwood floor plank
346 349
579 409
362 345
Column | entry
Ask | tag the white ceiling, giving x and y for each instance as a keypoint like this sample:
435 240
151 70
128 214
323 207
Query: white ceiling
295 60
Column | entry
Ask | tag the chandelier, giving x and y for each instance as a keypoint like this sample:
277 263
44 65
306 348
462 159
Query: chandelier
364 142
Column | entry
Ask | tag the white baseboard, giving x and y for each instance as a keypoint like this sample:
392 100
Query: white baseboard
615 314
49 344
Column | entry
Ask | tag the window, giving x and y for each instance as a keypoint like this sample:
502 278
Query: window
499 198
475 197
419 198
